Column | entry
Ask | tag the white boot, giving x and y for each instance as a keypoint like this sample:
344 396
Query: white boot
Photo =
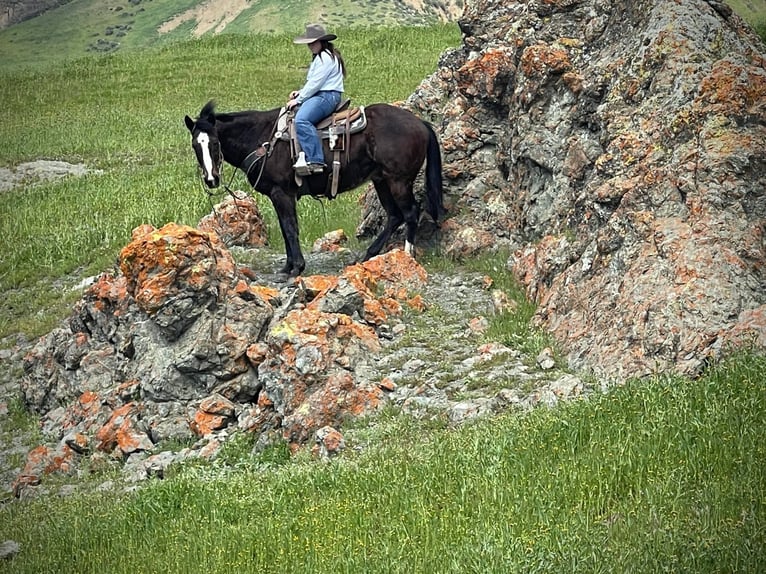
300 166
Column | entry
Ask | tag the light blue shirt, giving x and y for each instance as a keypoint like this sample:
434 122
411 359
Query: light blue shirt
325 74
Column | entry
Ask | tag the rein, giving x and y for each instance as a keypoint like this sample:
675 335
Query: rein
261 153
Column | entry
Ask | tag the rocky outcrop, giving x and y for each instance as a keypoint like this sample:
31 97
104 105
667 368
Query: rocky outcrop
626 172
183 343
182 350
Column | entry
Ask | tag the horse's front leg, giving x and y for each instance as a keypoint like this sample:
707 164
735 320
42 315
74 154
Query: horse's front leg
285 206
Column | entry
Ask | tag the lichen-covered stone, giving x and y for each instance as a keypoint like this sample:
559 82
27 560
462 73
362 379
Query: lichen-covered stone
625 172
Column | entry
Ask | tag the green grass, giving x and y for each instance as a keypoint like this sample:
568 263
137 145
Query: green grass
751 11
123 114
666 475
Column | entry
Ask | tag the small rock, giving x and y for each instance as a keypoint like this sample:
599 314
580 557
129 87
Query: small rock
413 366
567 386
331 241
545 359
387 384
398 329
9 548
478 324
329 442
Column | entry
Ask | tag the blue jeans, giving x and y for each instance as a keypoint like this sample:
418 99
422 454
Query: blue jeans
310 112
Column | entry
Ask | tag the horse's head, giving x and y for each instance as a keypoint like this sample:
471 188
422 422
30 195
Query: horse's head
206 145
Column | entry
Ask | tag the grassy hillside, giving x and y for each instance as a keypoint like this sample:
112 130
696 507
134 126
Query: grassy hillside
84 27
754 11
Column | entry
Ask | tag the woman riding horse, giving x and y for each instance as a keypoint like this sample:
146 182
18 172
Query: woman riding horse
318 97
390 151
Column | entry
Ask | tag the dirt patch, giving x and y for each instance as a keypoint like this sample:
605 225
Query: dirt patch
39 170
209 16
216 15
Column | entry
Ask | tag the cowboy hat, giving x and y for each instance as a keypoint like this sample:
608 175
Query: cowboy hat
313 33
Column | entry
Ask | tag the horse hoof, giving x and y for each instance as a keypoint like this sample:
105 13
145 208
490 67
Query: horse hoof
286 274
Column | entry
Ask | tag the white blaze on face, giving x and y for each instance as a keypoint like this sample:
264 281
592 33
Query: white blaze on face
207 161
409 248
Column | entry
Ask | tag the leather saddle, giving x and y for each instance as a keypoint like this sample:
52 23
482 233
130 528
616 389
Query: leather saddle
336 128
344 120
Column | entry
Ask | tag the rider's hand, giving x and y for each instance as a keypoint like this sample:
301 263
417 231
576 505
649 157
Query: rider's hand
291 104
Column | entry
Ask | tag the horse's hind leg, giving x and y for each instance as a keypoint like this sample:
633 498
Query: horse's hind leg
395 218
401 206
409 209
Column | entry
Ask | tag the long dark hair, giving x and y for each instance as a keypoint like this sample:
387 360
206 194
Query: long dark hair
328 47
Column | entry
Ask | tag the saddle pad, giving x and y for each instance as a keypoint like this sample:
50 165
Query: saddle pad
283 132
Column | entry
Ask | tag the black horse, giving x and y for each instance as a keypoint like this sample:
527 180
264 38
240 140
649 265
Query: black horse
389 151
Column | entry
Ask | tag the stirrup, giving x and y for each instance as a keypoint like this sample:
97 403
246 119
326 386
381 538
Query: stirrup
301 167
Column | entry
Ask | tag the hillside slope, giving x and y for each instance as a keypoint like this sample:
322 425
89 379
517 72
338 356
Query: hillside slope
80 27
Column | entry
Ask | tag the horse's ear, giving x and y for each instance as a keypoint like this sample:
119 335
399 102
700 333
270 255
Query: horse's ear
189 123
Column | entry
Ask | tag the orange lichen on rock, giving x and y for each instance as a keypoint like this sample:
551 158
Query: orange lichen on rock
396 266
488 74
120 432
161 263
316 285
83 411
735 89
40 461
109 292
542 59
237 221
265 293
417 303
218 405
204 423
302 326
45 460
397 271
338 399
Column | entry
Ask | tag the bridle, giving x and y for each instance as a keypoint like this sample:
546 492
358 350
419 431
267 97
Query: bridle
263 152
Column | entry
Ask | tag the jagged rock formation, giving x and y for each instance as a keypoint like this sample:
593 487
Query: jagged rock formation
626 171
183 342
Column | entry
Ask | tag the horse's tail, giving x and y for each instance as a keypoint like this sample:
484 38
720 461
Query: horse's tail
434 191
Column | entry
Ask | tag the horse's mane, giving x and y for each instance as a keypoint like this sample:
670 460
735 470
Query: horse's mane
208 116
